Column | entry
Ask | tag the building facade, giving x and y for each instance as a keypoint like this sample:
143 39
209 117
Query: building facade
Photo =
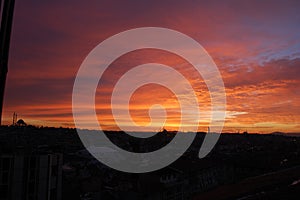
31 177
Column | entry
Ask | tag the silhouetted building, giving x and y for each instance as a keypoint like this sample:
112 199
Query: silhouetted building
21 122
245 133
31 177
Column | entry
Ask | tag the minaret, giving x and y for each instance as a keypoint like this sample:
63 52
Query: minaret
5 32
15 117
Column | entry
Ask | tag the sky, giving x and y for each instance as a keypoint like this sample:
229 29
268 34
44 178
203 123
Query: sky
255 45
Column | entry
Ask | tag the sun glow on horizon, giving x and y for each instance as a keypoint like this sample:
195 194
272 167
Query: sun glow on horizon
256 51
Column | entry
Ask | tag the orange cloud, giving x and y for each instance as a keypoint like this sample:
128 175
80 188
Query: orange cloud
256 51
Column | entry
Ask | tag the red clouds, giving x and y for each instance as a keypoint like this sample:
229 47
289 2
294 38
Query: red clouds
255 45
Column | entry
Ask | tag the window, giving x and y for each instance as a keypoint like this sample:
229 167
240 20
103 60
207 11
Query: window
3 191
32 162
6 164
5 177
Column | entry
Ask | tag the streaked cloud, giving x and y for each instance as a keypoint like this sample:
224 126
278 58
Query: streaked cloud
256 46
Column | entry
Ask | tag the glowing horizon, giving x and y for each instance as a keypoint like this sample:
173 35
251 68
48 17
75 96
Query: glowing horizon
256 51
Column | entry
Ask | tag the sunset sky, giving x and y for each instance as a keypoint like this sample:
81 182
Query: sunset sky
255 44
